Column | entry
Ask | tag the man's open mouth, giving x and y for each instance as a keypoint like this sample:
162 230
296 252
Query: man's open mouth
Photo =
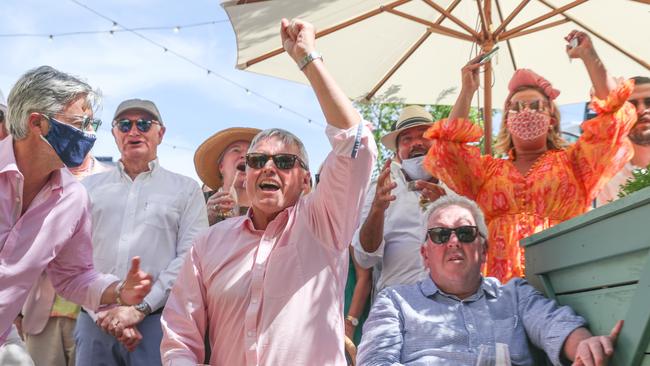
269 186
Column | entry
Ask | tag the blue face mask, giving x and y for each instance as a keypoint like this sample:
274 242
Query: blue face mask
70 144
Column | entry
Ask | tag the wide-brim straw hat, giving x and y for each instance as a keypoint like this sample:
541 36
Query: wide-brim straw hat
411 116
206 158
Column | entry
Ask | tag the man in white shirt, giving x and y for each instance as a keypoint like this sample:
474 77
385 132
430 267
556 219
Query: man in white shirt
393 224
640 137
137 209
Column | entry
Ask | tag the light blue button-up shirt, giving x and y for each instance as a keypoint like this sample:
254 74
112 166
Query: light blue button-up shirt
421 325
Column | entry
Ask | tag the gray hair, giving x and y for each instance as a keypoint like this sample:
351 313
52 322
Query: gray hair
456 200
48 91
285 137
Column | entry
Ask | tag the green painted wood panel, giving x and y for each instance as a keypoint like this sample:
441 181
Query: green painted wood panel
602 307
606 272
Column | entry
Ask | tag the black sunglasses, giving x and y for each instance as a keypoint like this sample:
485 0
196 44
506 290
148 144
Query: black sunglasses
282 161
125 125
441 235
635 102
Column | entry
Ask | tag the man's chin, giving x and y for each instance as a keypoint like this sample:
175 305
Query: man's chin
640 133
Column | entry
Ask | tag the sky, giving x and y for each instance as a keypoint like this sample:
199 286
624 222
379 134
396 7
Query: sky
193 104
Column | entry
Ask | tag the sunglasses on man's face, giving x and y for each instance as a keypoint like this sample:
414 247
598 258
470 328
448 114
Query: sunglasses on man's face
282 161
441 235
637 101
534 105
125 125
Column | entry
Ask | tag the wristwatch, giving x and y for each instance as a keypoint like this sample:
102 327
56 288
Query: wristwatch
354 321
311 56
143 307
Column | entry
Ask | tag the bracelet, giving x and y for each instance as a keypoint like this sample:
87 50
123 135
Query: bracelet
354 321
118 292
311 56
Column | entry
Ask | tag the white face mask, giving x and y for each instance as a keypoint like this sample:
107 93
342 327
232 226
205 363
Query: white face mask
414 168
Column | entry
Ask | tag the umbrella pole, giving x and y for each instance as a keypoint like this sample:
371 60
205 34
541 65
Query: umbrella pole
487 108
487 77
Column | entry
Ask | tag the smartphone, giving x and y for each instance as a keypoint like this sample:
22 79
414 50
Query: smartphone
573 43
488 56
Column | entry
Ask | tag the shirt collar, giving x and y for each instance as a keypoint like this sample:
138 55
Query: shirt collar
7 156
8 164
429 288
153 167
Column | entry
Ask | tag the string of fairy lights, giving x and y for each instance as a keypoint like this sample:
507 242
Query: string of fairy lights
117 27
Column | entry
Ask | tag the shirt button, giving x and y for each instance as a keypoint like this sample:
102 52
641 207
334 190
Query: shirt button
250 333
254 300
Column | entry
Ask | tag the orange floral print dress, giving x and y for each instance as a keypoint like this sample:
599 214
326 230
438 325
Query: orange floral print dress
560 185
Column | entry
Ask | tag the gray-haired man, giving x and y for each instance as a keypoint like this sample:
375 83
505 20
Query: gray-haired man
449 317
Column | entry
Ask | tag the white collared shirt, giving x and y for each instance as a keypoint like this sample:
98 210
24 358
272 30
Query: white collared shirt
398 254
156 216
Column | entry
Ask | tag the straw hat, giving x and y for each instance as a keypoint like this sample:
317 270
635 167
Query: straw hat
206 158
411 116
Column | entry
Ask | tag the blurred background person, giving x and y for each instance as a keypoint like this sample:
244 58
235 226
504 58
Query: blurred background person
220 163
543 182
3 116
640 137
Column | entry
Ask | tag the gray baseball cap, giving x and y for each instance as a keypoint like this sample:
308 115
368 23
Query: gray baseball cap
139 104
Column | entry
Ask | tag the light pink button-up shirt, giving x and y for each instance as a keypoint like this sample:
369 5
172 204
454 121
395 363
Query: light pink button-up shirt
52 235
275 296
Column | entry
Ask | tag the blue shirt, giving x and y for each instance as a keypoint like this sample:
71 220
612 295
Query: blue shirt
419 324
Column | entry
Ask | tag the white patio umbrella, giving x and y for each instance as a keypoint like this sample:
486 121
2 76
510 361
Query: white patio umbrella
412 50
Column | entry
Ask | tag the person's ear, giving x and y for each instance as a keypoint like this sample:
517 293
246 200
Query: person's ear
35 124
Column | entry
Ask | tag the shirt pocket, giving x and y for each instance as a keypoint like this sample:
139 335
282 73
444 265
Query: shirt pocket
160 212
284 275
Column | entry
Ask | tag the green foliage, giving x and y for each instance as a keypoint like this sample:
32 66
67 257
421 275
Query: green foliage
384 111
639 180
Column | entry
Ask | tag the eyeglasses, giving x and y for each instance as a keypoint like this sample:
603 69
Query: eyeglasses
79 122
125 125
635 102
534 105
2 116
441 235
282 161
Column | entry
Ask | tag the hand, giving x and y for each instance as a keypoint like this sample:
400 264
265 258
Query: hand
585 48
430 191
595 351
298 38
116 320
136 285
130 338
469 75
219 203
349 330
385 185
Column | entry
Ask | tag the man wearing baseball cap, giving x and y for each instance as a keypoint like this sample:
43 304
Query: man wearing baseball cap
140 209
220 163
392 219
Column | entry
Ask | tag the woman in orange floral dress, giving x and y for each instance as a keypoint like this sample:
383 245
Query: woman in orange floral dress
543 182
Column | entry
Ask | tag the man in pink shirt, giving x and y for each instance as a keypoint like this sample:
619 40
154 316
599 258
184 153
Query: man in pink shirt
267 287
44 211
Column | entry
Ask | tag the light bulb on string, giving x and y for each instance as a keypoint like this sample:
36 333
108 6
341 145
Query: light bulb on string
177 29
248 92
51 38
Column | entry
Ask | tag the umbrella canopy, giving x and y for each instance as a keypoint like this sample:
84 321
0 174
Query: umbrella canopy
411 51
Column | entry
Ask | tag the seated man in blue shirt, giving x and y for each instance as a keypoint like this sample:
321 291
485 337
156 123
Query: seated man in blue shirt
455 312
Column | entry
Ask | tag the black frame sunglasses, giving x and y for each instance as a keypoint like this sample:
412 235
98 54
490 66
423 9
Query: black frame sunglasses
282 161
125 125
465 234
635 102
